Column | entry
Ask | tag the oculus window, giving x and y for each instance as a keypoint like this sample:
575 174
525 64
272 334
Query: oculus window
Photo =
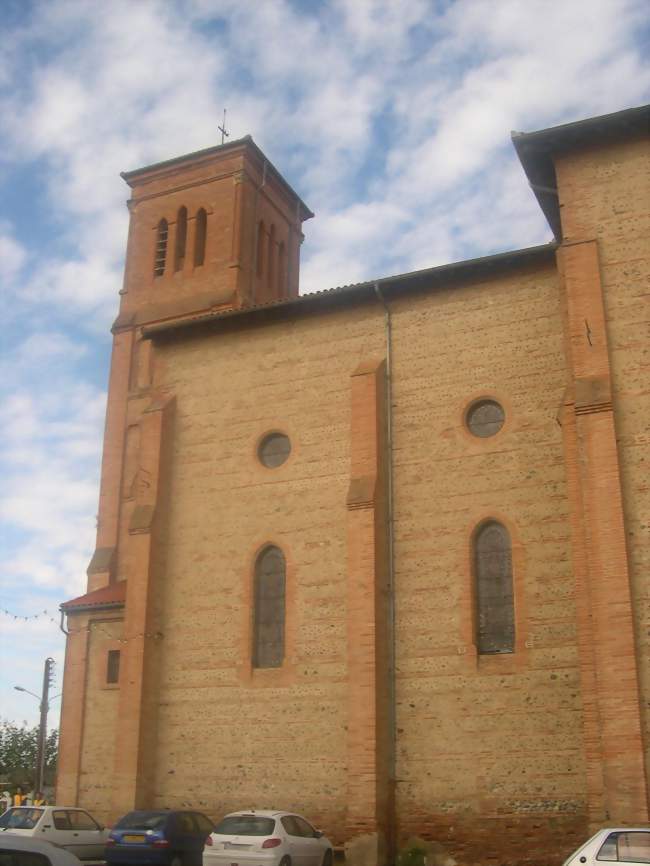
484 418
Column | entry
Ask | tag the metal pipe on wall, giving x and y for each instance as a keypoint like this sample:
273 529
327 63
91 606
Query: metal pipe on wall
392 703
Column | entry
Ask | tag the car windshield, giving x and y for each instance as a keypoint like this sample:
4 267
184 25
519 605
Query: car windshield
20 819
245 825
142 821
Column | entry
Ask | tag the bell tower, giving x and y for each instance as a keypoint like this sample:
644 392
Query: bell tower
215 229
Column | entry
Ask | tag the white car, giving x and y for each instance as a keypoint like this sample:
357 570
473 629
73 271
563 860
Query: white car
257 838
628 845
25 851
64 826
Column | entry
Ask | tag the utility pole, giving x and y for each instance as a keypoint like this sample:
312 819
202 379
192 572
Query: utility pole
42 728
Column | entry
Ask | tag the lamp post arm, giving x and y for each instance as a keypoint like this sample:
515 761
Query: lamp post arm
27 692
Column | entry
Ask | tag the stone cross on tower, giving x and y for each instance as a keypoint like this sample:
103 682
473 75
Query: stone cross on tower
222 128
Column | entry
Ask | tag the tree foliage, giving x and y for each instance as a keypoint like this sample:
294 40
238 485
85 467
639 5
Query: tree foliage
18 748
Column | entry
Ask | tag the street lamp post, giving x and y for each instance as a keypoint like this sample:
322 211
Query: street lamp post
42 728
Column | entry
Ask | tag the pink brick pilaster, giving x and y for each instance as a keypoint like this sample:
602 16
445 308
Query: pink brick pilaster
369 795
613 738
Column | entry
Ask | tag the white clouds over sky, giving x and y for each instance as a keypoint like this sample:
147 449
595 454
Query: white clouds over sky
390 117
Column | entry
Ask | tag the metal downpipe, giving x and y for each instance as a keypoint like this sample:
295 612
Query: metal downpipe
390 588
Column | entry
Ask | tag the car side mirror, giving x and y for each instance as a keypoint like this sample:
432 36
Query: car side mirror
318 834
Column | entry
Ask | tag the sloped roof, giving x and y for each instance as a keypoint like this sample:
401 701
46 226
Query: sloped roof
536 150
113 595
132 177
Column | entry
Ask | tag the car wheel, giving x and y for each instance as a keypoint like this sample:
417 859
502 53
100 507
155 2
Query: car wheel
327 857
286 861
176 860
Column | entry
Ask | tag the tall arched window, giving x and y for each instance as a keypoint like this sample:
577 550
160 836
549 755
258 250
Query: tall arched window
181 239
495 610
199 237
270 268
260 248
282 276
269 600
160 255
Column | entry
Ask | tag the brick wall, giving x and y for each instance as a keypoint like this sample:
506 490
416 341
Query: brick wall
489 749
98 743
605 195
231 737
489 754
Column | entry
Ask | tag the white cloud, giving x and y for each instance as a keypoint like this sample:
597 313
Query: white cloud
12 256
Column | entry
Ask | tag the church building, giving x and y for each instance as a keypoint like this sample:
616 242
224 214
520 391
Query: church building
380 554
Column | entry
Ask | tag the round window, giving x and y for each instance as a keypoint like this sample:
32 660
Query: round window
274 449
485 418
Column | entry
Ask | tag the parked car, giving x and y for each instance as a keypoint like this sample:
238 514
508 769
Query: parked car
266 839
172 838
25 851
629 845
70 828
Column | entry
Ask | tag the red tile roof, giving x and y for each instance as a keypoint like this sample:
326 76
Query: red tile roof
113 595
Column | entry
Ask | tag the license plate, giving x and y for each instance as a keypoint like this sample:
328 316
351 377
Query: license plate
132 838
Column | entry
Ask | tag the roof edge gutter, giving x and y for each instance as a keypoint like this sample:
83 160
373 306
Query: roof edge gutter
84 608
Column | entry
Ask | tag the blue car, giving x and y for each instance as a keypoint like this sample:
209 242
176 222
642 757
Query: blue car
159 838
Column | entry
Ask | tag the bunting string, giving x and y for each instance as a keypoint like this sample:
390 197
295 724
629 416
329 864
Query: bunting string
44 614
91 626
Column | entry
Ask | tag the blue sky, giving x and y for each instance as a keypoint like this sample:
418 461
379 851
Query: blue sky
391 118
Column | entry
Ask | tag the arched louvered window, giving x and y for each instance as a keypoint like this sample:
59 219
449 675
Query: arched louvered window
269 600
495 611
260 248
282 267
270 268
200 237
181 239
160 255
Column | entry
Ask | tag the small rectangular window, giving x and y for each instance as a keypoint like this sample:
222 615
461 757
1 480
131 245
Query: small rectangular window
113 666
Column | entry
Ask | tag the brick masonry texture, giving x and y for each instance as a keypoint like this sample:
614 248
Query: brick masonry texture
508 759
605 193
486 739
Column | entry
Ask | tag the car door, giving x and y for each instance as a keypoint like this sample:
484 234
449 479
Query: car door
297 848
186 835
312 845
61 833
205 827
88 835
625 847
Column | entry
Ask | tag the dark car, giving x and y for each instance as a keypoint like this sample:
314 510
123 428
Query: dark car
167 838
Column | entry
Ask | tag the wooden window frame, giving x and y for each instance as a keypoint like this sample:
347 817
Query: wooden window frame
113 662
160 248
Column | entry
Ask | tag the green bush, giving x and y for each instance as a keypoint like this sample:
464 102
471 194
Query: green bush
412 856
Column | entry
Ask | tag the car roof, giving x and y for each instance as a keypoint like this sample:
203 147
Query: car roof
624 830
27 843
261 813
48 806
159 811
